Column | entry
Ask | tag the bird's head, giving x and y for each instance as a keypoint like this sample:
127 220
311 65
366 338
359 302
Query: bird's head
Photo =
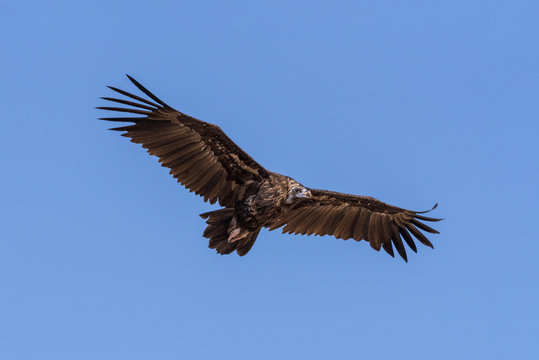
296 192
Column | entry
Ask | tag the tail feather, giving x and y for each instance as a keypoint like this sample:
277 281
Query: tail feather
246 244
218 231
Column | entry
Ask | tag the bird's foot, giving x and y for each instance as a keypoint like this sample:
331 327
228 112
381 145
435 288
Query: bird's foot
237 234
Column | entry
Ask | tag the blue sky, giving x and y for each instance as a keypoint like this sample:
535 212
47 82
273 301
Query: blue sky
416 102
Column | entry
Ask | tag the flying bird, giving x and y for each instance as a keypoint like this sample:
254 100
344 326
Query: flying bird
206 161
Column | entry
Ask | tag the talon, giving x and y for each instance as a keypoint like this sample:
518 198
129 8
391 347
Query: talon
237 234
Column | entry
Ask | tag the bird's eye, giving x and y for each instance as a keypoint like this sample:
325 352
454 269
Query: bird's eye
297 190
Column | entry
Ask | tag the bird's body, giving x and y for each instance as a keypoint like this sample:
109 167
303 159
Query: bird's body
265 204
261 207
206 161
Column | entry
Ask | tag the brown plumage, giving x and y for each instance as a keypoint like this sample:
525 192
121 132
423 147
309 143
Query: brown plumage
204 159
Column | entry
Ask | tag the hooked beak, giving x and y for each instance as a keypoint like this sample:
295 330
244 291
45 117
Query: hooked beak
305 194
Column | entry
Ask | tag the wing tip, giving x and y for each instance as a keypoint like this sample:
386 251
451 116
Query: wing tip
426 211
131 78
147 92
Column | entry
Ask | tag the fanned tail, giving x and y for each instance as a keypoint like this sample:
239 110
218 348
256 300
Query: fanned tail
220 226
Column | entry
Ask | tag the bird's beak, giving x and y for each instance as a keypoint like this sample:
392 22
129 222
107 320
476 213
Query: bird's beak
306 194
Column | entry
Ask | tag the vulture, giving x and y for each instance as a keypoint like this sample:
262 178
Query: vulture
207 162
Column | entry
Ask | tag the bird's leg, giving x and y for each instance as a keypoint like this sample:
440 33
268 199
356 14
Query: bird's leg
235 232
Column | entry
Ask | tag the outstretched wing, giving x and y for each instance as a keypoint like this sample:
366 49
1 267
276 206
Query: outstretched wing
348 216
200 155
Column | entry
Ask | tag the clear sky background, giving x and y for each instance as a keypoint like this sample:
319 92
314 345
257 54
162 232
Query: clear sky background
412 102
